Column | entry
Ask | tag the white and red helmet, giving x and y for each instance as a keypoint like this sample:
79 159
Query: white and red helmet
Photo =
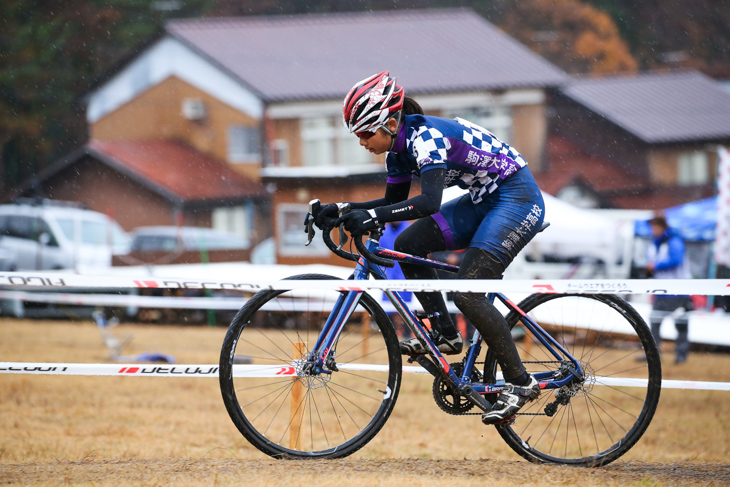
372 102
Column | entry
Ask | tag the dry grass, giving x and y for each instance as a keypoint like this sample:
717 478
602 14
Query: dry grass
158 431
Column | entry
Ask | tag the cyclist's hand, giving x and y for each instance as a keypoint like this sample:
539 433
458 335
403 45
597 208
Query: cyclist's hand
326 216
358 222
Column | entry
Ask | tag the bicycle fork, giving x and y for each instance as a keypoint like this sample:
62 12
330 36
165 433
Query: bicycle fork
322 359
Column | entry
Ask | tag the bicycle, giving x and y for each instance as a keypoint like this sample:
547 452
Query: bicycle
339 388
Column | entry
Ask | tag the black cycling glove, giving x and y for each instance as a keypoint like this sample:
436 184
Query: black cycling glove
326 212
358 222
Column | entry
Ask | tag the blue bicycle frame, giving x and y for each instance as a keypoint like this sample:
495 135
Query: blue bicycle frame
322 358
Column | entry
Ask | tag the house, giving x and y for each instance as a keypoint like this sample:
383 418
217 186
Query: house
256 103
246 114
156 182
646 141
295 71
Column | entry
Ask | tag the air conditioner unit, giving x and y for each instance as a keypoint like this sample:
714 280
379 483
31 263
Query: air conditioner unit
193 109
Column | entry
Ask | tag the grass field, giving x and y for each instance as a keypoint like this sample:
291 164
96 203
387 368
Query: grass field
160 431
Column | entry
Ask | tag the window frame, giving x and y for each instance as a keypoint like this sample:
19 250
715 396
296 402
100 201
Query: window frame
239 150
290 237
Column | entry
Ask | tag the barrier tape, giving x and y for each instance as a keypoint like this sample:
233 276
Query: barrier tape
54 281
152 370
126 300
194 370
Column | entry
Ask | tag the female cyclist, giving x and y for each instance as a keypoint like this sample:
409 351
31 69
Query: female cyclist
502 211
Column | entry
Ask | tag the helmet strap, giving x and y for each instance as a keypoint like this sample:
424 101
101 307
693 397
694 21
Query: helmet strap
393 133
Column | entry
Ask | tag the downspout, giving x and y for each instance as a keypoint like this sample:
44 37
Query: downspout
269 136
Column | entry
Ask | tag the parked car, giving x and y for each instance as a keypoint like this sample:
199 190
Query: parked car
172 238
47 234
7 259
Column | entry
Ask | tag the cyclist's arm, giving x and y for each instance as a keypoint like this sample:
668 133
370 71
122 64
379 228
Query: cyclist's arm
394 193
425 204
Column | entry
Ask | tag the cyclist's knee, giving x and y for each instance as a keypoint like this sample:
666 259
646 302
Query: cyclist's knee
477 264
480 264
468 301
476 307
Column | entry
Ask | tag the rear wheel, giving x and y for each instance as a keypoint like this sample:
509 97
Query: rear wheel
288 413
594 421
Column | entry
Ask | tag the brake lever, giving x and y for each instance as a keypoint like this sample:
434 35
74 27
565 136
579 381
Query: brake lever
343 237
310 229
342 209
313 208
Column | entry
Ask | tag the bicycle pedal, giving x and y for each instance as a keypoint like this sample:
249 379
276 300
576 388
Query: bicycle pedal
507 422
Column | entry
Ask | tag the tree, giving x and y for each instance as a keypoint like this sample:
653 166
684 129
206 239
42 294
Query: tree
675 33
573 35
51 52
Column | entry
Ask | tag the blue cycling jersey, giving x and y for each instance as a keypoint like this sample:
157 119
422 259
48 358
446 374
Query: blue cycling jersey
473 157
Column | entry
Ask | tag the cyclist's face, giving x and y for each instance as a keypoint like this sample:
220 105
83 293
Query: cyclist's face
380 141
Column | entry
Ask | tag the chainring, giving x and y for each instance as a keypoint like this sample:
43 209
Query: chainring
449 400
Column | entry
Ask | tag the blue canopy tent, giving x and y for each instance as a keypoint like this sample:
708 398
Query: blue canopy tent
695 221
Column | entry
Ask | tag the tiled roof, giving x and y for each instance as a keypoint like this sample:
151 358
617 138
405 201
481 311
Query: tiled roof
658 108
656 199
568 162
175 170
321 56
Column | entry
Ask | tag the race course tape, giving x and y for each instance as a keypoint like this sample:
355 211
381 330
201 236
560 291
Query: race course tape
151 370
57 281
123 300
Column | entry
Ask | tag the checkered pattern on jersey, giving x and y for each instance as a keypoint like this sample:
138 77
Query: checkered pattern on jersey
478 184
480 137
429 146
517 157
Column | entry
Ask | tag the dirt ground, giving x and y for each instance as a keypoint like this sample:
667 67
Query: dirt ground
158 431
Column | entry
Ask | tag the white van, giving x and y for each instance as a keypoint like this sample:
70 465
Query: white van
48 234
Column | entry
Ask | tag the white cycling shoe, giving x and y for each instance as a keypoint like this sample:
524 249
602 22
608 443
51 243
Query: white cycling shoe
511 400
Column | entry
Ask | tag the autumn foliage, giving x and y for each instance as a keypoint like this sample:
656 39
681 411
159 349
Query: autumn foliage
573 35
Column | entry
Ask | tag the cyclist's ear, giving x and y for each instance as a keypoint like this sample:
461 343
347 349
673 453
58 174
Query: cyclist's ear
392 124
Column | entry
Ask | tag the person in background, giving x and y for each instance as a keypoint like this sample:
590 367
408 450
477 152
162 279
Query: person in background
666 259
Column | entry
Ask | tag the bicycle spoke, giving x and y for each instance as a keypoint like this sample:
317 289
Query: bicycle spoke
585 422
314 410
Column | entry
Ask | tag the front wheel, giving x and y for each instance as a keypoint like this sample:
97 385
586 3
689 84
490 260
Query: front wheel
594 421
283 410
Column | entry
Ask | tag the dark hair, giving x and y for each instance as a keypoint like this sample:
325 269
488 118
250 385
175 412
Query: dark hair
411 106
659 220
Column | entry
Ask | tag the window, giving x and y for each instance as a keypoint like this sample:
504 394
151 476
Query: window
318 139
497 120
349 152
693 168
280 153
237 220
244 144
327 142
290 219
44 228
22 227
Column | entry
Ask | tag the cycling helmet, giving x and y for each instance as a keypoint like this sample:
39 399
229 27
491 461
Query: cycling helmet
371 103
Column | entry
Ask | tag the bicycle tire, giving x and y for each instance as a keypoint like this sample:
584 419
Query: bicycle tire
603 418
339 412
